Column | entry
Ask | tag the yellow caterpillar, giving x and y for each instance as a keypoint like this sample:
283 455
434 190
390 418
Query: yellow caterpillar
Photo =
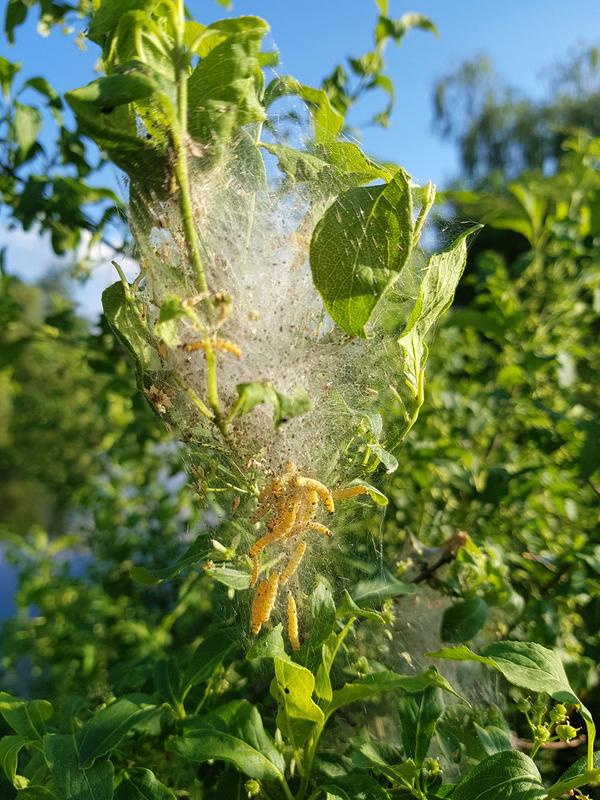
293 563
263 602
218 344
289 503
293 622
350 491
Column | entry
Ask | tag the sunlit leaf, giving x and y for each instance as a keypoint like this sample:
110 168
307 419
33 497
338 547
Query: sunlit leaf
298 714
27 718
107 727
233 733
511 775
359 248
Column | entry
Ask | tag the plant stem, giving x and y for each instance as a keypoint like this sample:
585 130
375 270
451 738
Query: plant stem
308 762
428 200
179 134
562 787
197 401
534 750
286 789
213 387
185 202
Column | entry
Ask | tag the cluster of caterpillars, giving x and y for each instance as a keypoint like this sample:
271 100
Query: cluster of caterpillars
289 504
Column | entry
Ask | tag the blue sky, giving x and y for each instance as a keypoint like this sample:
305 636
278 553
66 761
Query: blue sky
523 38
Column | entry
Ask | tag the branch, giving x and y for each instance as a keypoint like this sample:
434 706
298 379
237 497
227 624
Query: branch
449 550
525 744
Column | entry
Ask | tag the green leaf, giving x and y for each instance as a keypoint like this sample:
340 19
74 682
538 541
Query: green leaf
233 733
248 164
69 780
270 645
389 461
349 608
349 159
253 393
43 87
142 784
314 653
288 406
27 123
419 714
580 767
298 165
199 550
223 88
108 13
371 754
589 457
375 494
355 786
171 310
510 775
462 620
103 110
493 739
377 589
438 286
10 747
207 657
229 576
26 717
124 318
529 666
397 28
327 121
203 39
16 14
107 727
298 714
359 247
322 610
36 793
387 681
168 681
8 70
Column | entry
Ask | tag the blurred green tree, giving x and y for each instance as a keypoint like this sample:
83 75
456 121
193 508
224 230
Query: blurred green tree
500 131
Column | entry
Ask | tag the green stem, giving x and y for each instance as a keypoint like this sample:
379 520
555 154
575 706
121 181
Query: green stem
179 134
562 787
182 606
286 789
122 277
591 736
315 794
197 401
213 387
308 762
185 202
428 199
534 750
